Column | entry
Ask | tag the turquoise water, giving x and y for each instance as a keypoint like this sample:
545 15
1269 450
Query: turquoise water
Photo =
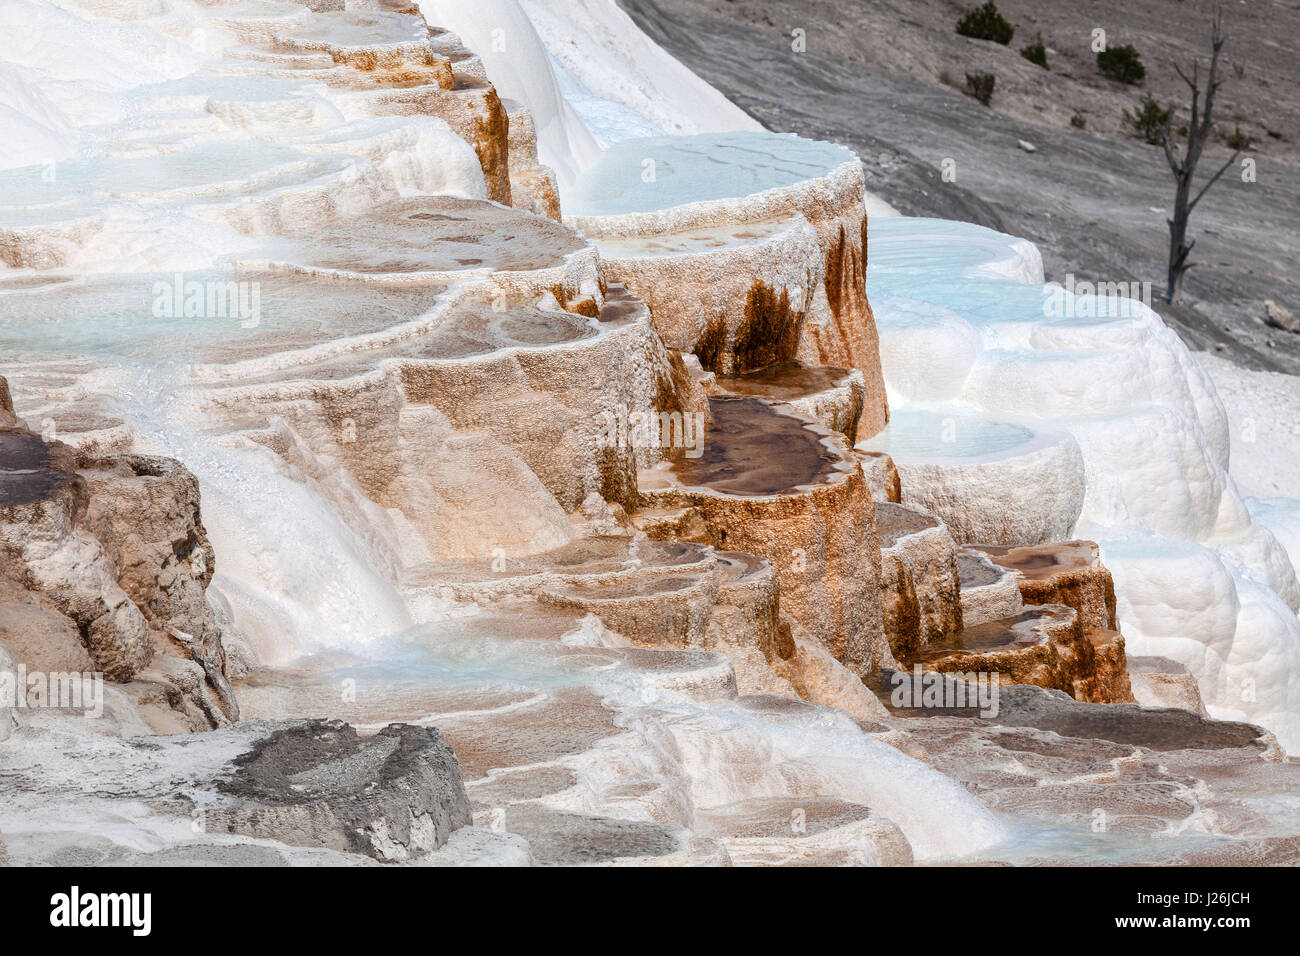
127 316
920 434
646 175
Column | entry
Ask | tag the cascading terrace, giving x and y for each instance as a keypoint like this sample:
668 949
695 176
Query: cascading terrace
326 271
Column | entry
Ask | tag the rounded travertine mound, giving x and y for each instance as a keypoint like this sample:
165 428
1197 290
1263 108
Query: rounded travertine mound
1069 573
1046 646
667 184
735 295
965 318
988 592
920 592
832 397
781 487
988 480
749 247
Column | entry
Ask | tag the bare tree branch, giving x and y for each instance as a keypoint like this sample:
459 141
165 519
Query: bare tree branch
1213 179
1199 129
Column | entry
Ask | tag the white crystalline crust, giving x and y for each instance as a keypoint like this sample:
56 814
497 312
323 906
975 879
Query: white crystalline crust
504 38
605 51
617 80
967 329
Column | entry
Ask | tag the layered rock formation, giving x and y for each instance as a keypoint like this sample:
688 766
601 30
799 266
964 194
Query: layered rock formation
792 492
745 284
920 583
1069 573
1047 646
990 481
983 360
104 562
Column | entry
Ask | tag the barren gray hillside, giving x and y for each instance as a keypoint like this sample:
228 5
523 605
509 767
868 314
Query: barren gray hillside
1094 199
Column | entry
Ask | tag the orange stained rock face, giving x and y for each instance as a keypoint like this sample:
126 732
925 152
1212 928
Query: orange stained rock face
920 581
853 338
770 330
775 485
1047 646
711 347
1068 572
395 70
492 145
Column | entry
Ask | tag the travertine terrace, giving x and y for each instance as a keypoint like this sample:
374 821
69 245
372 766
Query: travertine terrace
608 508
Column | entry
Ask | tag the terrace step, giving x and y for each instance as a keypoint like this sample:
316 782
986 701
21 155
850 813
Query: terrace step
778 485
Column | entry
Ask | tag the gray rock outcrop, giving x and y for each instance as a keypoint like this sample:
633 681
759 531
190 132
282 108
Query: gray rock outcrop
393 796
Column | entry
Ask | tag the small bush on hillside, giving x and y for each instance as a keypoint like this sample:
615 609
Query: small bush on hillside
980 86
1151 121
1238 139
1077 121
1036 52
985 23
1122 63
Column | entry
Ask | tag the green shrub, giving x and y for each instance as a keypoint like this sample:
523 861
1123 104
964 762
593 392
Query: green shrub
1238 139
980 86
1122 63
1151 121
1036 52
1077 121
985 23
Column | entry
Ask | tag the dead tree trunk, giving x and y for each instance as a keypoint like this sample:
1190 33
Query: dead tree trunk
1184 167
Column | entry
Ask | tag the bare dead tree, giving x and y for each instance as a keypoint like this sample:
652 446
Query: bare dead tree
1184 166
